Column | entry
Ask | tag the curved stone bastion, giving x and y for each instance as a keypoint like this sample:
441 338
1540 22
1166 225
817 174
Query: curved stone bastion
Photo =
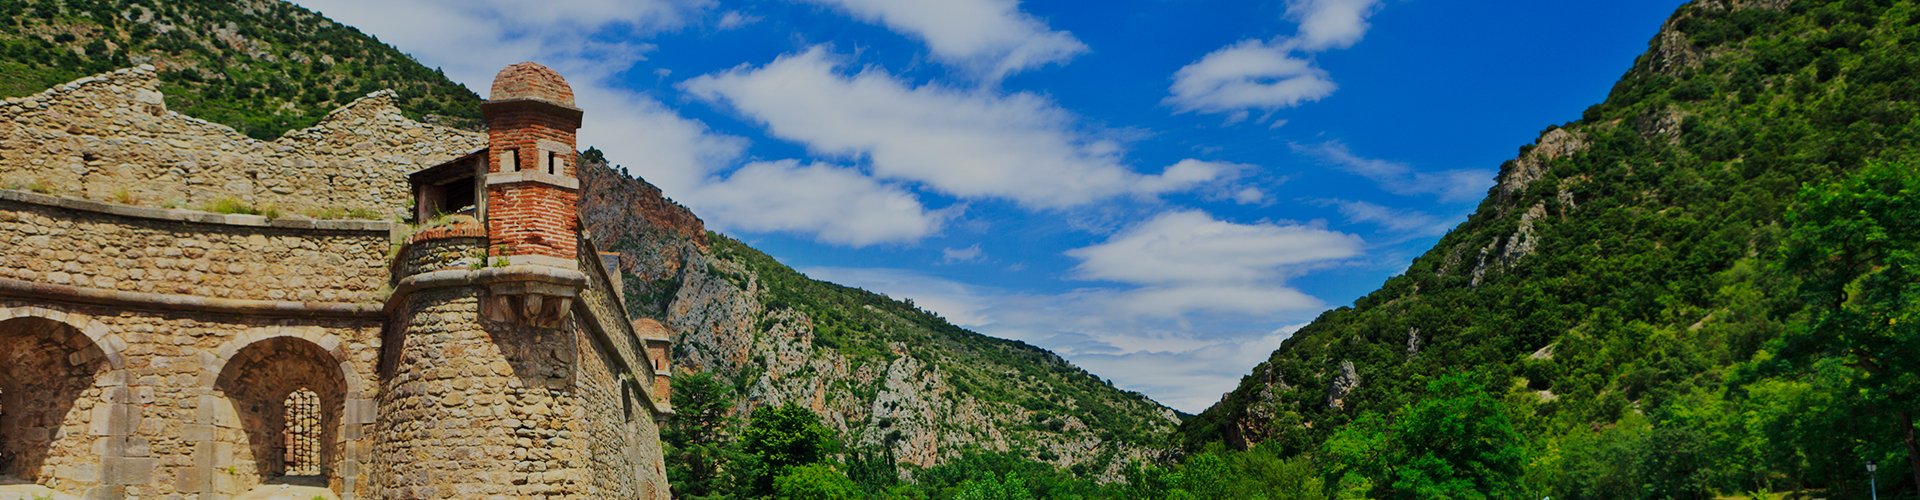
160 353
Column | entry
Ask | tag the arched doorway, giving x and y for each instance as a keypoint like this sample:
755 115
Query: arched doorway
288 395
46 369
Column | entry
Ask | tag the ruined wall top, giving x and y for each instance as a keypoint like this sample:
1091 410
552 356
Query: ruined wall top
110 137
531 81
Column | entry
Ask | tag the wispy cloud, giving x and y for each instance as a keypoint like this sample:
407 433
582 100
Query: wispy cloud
969 144
838 205
1400 178
1272 74
1394 220
1184 362
990 38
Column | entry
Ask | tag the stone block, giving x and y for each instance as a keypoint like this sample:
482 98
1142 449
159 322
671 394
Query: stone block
127 471
360 411
197 432
189 479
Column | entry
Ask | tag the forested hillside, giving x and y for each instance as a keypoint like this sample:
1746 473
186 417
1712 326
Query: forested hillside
262 67
1699 288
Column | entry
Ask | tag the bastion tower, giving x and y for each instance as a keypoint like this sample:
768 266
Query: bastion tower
512 371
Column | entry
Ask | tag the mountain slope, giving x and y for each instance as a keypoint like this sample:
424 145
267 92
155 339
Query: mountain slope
261 66
1622 286
882 372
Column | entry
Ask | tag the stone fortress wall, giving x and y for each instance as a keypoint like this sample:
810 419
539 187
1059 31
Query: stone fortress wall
147 351
111 137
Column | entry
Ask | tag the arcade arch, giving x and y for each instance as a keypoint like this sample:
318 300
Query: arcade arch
288 396
49 371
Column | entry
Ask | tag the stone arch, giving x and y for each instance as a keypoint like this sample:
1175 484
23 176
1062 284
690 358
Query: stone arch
253 376
54 378
110 345
329 343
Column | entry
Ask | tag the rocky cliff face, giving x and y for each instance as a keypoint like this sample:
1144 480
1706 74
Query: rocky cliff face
879 371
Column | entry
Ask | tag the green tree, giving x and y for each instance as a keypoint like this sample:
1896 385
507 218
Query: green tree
1854 245
990 487
817 481
698 447
1457 443
782 437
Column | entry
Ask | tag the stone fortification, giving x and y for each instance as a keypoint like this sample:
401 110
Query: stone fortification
177 252
111 137
157 352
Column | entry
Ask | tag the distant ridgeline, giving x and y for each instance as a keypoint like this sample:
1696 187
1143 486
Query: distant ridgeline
1623 291
262 67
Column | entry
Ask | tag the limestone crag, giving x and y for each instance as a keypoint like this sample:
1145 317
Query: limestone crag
111 137
907 402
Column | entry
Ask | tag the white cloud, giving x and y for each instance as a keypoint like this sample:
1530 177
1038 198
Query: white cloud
1395 220
837 205
735 19
991 38
1330 24
1184 363
1400 178
961 304
1249 74
956 255
1189 247
471 40
969 144
1249 196
1269 75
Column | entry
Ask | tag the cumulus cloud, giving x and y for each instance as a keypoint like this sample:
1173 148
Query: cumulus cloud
837 205
1249 74
472 39
1400 178
1330 24
991 38
1020 147
1191 246
1272 74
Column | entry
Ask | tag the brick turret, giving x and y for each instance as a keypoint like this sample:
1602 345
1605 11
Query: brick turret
532 188
532 197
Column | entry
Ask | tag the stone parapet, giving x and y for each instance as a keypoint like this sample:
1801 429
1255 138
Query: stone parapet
211 260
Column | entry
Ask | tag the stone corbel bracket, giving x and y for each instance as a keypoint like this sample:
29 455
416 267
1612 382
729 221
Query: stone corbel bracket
538 296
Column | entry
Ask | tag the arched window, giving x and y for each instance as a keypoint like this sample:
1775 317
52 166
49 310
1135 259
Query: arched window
303 433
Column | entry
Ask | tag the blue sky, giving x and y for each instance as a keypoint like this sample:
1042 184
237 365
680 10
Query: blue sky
1159 190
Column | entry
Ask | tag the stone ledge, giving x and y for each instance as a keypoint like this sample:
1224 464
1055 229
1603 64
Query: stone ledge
89 295
194 216
533 176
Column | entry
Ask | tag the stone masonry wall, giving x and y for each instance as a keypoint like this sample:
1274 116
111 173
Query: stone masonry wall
150 422
110 137
62 246
478 409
